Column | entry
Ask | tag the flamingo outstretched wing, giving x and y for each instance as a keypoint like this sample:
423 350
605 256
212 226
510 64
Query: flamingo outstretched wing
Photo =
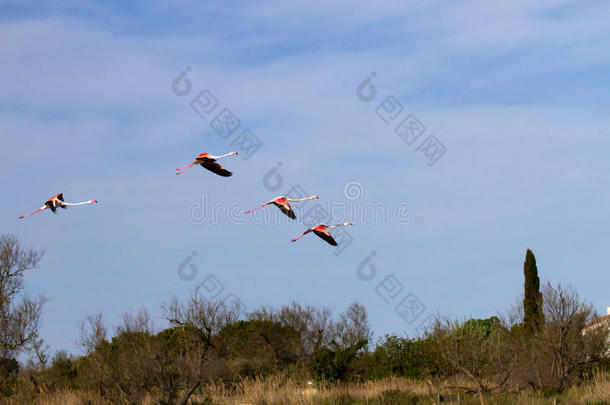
286 209
216 168
324 234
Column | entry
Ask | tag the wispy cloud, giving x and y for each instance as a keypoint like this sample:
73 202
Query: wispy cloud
516 90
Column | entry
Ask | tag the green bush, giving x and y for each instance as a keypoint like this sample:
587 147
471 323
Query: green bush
336 364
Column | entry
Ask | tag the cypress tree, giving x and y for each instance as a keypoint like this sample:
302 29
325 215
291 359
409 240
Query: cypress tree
532 303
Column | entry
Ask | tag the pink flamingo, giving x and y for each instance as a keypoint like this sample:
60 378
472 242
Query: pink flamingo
209 162
57 201
283 204
322 231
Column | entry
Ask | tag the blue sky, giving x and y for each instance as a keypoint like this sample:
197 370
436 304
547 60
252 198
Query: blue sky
518 93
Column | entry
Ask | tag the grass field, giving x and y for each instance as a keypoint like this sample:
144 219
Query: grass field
279 390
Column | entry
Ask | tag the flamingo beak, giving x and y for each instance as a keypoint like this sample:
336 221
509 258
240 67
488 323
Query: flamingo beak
94 201
348 223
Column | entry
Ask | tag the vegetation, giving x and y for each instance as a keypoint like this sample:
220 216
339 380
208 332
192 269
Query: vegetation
532 303
19 315
211 352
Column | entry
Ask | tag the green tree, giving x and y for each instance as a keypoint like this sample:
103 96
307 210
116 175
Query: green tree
475 349
255 348
335 364
405 357
134 363
203 320
533 318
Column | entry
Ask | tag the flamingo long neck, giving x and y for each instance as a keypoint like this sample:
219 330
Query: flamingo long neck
225 155
338 225
80 203
313 197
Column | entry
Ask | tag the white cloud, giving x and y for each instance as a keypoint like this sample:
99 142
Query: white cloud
87 109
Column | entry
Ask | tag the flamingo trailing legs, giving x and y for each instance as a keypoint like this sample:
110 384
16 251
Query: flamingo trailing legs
322 231
283 203
209 162
57 201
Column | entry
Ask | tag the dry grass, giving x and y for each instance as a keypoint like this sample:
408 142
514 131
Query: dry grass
59 398
598 390
281 390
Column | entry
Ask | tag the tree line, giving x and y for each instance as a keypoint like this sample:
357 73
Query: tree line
549 341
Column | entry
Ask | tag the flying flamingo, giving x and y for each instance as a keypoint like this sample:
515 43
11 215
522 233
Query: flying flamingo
209 162
57 201
322 231
283 204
